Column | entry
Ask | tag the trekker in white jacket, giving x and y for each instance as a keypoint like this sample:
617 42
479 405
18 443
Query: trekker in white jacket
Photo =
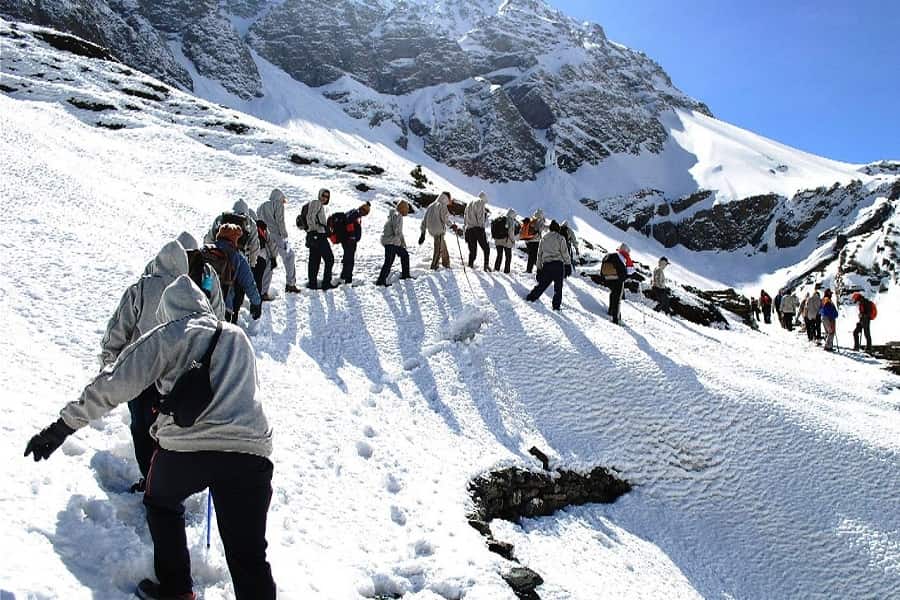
474 218
434 223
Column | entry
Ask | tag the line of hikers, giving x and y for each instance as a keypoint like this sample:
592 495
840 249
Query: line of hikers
816 313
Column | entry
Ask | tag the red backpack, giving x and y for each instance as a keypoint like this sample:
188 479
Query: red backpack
873 310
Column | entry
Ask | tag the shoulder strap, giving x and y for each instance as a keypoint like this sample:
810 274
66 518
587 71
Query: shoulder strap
207 358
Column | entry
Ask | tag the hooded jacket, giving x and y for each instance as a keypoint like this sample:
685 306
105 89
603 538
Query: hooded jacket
189 242
234 421
553 248
393 230
474 215
813 304
242 274
437 216
659 278
136 313
789 304
828 310
253 247
272 213
316 216
510 240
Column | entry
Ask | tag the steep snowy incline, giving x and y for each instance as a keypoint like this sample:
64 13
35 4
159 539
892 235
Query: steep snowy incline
763 467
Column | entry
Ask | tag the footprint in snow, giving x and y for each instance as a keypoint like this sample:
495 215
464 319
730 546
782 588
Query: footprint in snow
391 484
364 449
369 431
398 516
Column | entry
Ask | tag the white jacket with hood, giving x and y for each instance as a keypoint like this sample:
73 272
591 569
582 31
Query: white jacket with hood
437 216
272 212
510 240
553 248
188 242
234 421
316 215
392 235
474 214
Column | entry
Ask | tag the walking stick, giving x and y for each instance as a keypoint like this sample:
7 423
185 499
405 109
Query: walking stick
463 263
208 518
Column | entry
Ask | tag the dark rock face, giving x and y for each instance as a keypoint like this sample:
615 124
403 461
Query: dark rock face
218 52
728 226
174 15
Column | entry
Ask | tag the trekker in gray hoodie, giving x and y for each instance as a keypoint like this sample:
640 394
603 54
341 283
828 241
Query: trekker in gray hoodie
271 212
394 244
506 244
435 222
135 316
206 277
317 242
474 220
225 450
553 265
811 317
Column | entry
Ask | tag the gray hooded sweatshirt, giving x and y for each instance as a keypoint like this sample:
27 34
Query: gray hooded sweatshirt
136 314
813 304
249 224
234 421
538 225
316 216
393 230
437 216
474 214
553 248
510 240
272 212
189 242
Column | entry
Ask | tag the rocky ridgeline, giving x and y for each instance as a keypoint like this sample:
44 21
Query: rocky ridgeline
494 88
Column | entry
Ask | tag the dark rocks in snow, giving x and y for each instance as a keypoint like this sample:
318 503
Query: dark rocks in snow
874 222
884 167
69 43
362 187
113 126
728 226
524 582
89 105
728 300
368 170
142 94
303 161
685 202
7 89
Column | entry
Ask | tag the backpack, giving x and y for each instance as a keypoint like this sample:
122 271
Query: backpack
233 218
221 262
608 269
337 225
498 228
262 230
527 231
873 310
192 391
301 218
198 273
518 229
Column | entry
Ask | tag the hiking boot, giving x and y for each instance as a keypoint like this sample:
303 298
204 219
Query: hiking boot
139 487
381 283
487 269
149 590
407 277
267 298
292 289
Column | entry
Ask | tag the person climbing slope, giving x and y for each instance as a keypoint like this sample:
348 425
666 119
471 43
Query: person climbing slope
474 221
394 244
347 231
434 223
233 270
505 244
317 242
532 230
660 287
271 212
614 270
765 301
553 265
866 312
829 320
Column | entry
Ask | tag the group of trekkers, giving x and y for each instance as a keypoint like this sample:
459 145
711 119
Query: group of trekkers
817 313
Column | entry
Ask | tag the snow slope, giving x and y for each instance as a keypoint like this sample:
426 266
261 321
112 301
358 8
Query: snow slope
763 467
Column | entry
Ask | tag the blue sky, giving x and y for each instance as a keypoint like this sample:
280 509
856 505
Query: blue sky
822 76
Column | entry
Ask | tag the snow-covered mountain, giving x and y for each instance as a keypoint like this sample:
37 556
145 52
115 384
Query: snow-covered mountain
762 468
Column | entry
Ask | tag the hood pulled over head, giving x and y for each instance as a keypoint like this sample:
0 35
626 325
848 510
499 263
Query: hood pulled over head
277 196
171 260
180 299
240 207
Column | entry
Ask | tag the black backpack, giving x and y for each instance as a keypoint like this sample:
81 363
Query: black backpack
220 261
192 391
609 268
498 228
337 227
233 218
301 218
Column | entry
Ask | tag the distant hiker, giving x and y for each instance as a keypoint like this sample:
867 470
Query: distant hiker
754 308
660 287
135 316
271 212
474 221
829 319
553 265
532 230
811 316
777 304
234 271
267 261
203 274
867 312
317 241
765 301
503 230
216 436
614 270
247 244
571 240
789 305
346 229
434 223
394 244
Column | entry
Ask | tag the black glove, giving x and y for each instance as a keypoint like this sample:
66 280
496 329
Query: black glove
48 440
568 271
273 263
538 273
256 311
422 238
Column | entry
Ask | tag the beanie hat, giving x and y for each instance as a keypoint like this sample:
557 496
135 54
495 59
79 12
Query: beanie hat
664 259
856 297
554 226
827 293
230 233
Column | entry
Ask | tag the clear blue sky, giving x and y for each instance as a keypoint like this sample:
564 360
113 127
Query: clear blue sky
819 75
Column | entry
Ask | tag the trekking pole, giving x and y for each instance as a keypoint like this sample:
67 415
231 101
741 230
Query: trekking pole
208 518
462 261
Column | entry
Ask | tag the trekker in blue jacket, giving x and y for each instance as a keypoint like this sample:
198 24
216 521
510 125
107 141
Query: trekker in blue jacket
226 242
829 317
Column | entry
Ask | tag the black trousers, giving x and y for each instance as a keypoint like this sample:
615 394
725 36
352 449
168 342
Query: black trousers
532 248
810 328
501 252
143 416
863 327
259 270
789 321
663 300
319 252
237 301
241 487
475 236
553 272
349 260
390 253
616 291
818 327
767 314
